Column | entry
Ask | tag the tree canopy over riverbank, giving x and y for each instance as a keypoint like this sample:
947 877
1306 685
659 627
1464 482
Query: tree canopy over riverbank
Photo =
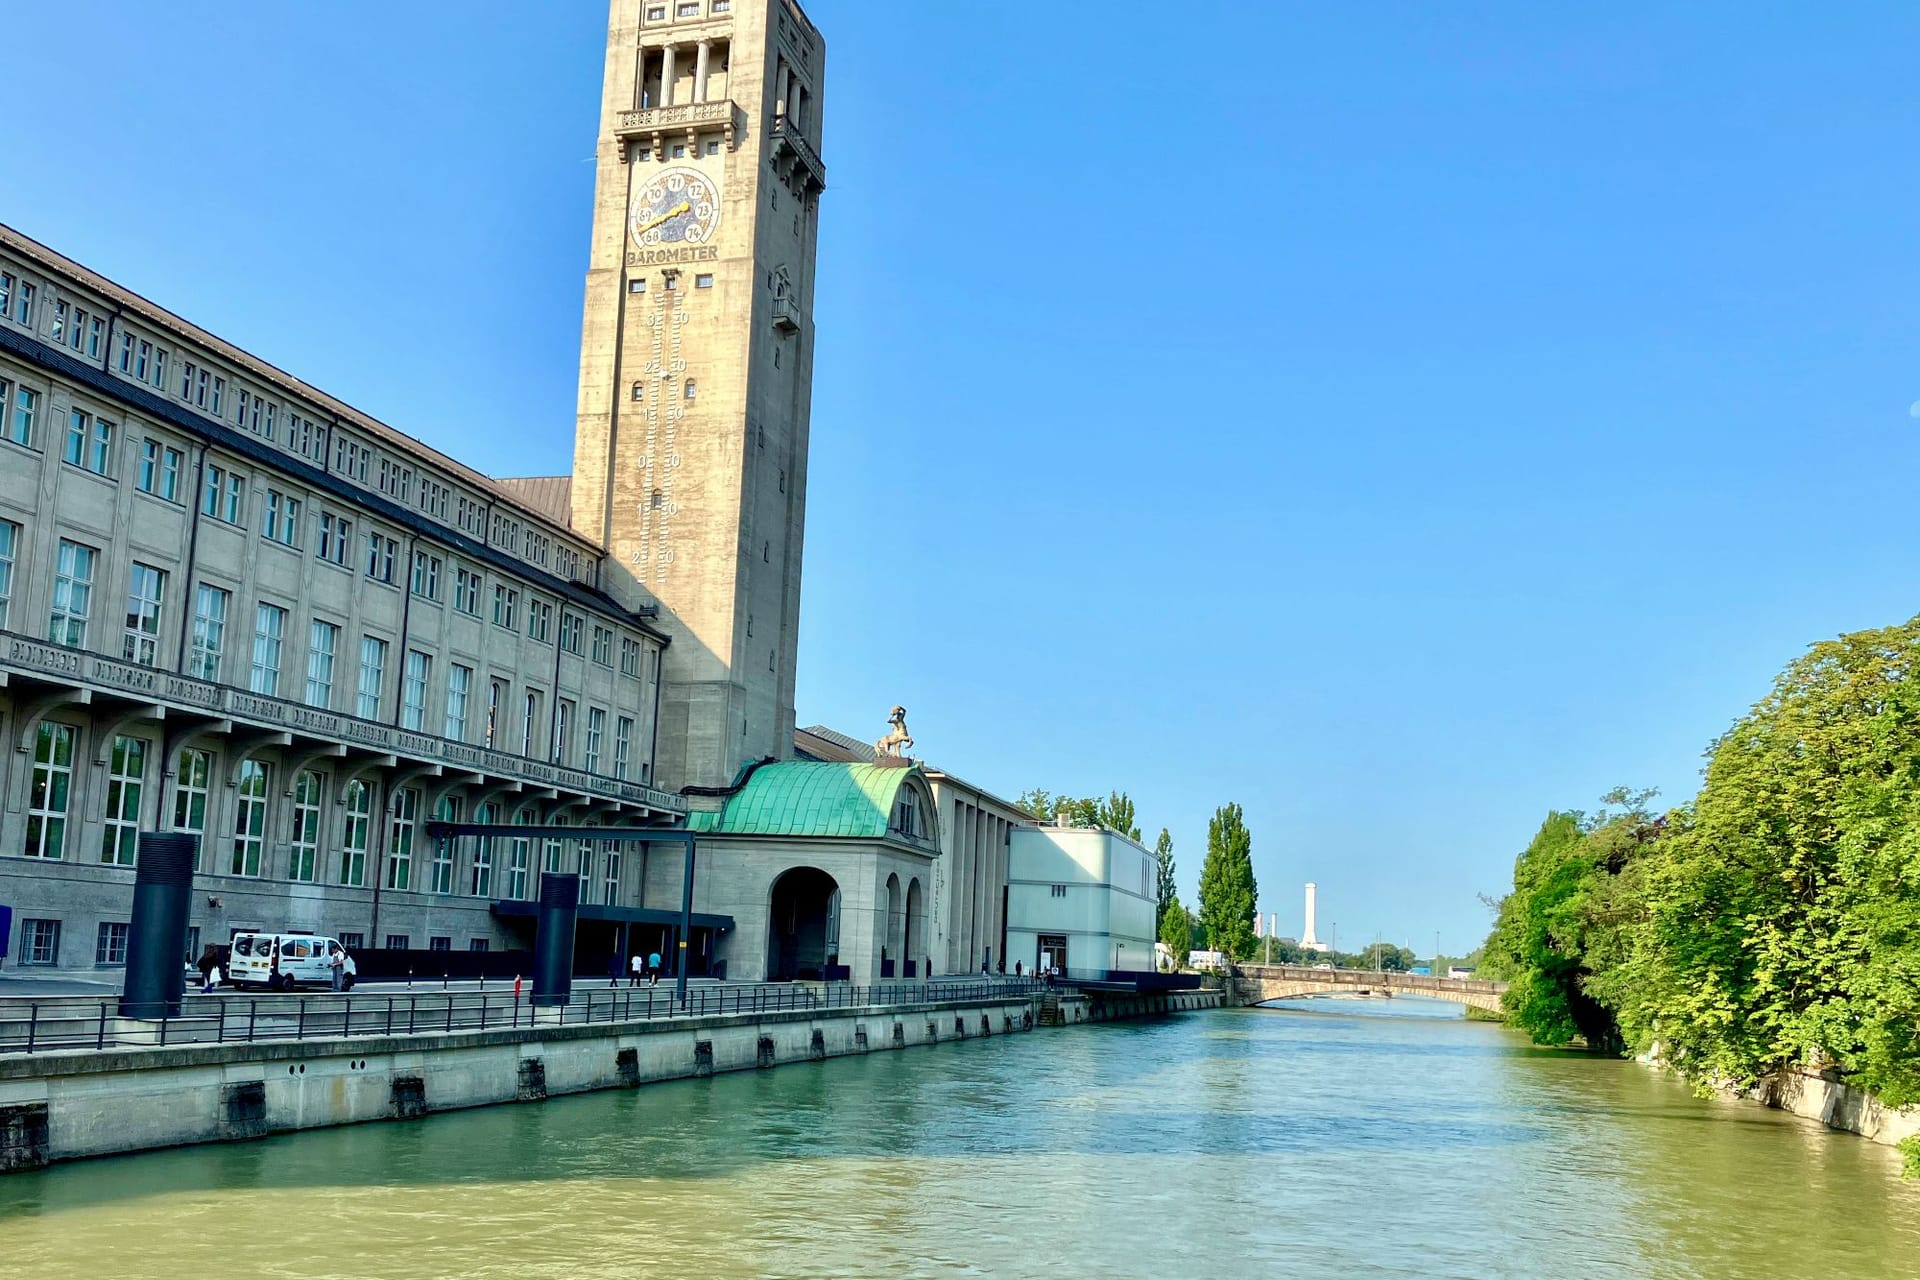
1772 921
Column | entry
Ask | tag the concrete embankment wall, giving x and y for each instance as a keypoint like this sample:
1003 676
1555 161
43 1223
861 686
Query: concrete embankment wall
1840 1106
76 1103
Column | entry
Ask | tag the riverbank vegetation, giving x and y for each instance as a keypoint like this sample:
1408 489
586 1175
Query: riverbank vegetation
1770 923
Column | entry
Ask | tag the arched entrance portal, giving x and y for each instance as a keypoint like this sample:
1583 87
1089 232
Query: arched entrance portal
803 925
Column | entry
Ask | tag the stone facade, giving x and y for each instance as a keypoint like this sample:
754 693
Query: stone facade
696 358
230 603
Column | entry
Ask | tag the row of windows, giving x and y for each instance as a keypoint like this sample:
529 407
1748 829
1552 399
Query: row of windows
40 942
215 393
89 443
689 9
306 857
71 614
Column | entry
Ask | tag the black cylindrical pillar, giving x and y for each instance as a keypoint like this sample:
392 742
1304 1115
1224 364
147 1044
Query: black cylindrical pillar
553 939
157 933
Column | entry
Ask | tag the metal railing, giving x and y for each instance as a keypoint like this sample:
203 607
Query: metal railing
56 1023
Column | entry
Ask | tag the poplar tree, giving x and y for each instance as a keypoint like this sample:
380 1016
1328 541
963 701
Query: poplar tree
1166 894
1227 889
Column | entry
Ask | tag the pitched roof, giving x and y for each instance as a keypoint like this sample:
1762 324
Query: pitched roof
810 798
817 742
551 496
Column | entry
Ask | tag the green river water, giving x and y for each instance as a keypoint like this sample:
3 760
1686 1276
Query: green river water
1332 1139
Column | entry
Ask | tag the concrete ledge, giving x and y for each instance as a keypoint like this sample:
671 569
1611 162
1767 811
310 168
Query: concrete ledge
77 1103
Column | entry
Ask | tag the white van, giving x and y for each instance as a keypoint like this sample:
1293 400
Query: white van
304 960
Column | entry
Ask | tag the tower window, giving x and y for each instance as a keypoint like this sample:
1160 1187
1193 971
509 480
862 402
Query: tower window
703 280
656 13
639 391
691 390
636 286
655 499
673 282
766 552
713 147
679 151
689 9
783 479
643 153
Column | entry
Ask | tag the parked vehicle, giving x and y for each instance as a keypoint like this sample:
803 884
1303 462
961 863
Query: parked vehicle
305 960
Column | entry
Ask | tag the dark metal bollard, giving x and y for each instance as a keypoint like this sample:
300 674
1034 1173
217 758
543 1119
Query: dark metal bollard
553 940
157 934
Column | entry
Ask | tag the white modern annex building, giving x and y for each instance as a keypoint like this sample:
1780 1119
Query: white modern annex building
1080 899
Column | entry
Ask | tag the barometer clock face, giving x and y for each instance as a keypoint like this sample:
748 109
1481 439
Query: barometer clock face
680 205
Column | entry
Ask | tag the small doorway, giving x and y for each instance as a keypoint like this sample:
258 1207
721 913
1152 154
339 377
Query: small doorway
1050 952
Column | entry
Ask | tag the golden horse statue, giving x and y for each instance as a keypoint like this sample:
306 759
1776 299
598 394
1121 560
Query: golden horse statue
897 737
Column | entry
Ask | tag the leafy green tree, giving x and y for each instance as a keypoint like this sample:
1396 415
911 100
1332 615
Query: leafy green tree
1163 867
1176 930
1227 888
1037 804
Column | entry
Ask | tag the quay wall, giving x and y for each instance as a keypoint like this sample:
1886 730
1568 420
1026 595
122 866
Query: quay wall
72 1104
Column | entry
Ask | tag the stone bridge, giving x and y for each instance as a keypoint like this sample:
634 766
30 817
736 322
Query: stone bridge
1257 984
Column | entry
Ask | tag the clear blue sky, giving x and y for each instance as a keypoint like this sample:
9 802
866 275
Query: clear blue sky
1398 418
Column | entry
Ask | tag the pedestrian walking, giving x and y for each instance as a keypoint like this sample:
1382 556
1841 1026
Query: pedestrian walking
613 969
208 963
337 965
639 970
653 968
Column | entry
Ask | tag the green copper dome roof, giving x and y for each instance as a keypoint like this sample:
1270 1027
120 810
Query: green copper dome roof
805 798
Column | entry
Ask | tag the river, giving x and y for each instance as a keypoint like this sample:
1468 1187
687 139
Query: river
1332 1139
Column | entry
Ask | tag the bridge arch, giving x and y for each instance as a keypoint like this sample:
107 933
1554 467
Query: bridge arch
1258 984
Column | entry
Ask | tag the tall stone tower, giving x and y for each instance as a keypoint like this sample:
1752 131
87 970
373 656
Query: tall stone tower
696 358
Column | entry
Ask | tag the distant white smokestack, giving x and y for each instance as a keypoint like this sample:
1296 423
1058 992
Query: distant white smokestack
1307 939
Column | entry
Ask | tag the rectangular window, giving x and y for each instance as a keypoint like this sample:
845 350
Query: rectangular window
269 625
209 632
335 533
539 620
459 687
233 507
629 657
39 942
353 941
160 470
96 334
519 858
439 944
146 586
426 575
9 539
373 668
303 861
51 786
603 646
110 944
506 606
586 870
17 405
380 556
440 870
596 730
479 944
72 594
249 819
571 627
190 788
126 777
26 304
466 592
323 640
144 362
282 522
400 841
399 942
610 859
703 281
480 881
89 441
622 746
357 801
413 695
